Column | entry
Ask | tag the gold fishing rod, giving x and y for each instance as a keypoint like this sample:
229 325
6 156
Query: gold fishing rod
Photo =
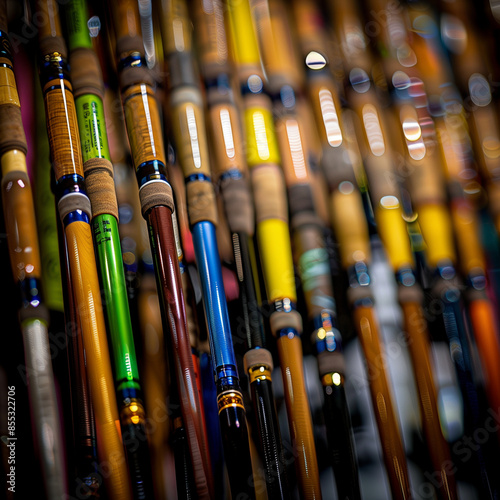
75 212
231 175
271 211
286 80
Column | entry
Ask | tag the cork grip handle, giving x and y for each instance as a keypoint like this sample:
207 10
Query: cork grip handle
100 186
142 117
64 138
294 162
191 139
350 226
86 73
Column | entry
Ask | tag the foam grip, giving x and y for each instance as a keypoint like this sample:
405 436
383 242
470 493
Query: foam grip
276 259
74 201
467 236
393 232
281 319
269 193
88 301
181 70
257 357
201 203
390 438
100 186
190 135
238 205
11 129
154 194
435 224
20 225
331 362
349 224
299 416
337 167
86 75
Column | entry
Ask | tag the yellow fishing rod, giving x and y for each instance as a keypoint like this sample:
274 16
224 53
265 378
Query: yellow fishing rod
273 238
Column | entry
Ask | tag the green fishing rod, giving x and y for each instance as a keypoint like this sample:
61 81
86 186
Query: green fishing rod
88 90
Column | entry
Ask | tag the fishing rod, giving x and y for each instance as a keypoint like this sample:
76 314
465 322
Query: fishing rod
471 74
88 91
273 238
309 245
192 149
232 178
145 137
74 211
386 198
22 240
419 137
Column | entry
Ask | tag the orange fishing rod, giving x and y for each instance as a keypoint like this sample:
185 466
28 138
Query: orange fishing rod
231 175
273 238
142 119
75 213
310 252
24 253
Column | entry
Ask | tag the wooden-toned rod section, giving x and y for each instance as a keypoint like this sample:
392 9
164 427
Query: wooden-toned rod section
75 213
